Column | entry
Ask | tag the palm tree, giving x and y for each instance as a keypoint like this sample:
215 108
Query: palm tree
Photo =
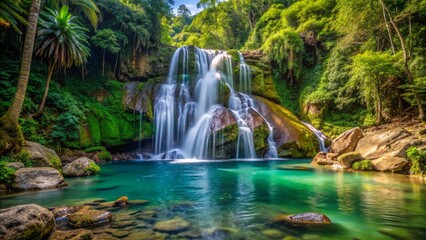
11 12
88 7
62 42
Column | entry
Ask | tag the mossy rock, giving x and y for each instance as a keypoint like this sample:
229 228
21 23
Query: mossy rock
172 226
89 218
292 137
81 167
263 84
348 158
41 156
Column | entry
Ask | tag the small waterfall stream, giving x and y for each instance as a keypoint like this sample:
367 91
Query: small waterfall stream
191 99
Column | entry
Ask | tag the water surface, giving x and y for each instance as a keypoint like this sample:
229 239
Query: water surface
246 195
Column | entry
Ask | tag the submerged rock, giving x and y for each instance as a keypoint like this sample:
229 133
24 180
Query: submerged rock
89 218
27 222
77 234
62 213
303 218
273 233
121 201
81 167
346 142
173 225
27 179
42 156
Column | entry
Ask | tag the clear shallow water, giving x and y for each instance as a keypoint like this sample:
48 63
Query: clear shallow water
247 195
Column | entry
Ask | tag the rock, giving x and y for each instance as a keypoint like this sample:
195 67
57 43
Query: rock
321 159
27 179
42 156
173 225
81 167
292 137
15 165
348 158
397 233
390 164
121 201
77 234
273 233
332 157
118 233
147 235
285 167
346 142
62 213
223 123
89 218
303 218
30 222
387 142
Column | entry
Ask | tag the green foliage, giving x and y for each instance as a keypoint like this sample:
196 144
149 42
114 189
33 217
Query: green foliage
93 168
12 12
103 153
6 173
363 165
418 160
285 49
107 40
23 157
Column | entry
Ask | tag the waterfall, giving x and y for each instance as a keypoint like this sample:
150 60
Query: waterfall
320 136
187 105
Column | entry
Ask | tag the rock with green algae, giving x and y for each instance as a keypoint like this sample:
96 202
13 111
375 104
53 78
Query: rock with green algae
147 235
26 222
174 225
81 167
273 233
89 218
77 234
41 156
348 158
292 137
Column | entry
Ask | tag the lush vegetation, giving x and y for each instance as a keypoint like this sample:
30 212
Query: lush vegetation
418 160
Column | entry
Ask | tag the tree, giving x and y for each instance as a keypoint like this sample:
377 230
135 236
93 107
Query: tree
371 71
183 11
11 12
285 48
88 7
62 42
11 137
107 40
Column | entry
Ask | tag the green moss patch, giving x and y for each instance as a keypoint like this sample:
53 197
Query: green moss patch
363 165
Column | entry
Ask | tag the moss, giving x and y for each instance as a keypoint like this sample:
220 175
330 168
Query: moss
103 153
260 136
24 157
292 149
92 169
234 55
417 158
11 137
6 173
363 165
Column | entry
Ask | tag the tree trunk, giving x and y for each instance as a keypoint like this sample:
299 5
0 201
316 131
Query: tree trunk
407 69
116 62
46 91
103 63
24 73
388 28
379 104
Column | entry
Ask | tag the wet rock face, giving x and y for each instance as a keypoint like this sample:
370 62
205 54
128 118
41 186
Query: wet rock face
80 167
29 222
346 142
29 179
224 128
222 118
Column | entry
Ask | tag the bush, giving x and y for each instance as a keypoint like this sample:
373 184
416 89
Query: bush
363 165
23 157
418 160
6 173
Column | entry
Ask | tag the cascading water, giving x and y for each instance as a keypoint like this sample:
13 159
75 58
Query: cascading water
320 136
194 96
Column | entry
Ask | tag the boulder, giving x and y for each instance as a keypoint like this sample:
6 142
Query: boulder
348 158
42 156
387 142
332 156
121 201
89 218
303 218
77 234
321 159
346 142
173 225
27 179
390 164
30 222
62 213
81 167
292 137
15 165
